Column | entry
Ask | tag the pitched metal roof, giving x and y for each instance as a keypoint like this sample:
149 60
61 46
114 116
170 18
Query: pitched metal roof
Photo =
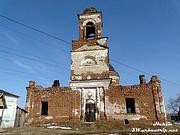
8 94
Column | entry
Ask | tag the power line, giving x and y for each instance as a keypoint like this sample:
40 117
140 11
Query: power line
10 72
37 59
32 28
15 50
141 71
130 67
59 71
44 43
25 73
29 58
67 42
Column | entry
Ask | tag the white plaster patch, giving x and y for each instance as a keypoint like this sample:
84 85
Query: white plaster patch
88 62
99 31
114 77
85 47
137 108
117 108
78 57
89 20
88 77
95 17
76 112
102 41
78 77
128 116
48 117
90 83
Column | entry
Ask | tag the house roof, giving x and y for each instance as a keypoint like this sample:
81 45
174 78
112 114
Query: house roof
7 93
21 109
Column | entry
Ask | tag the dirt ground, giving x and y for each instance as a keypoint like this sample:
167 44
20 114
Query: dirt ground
98 128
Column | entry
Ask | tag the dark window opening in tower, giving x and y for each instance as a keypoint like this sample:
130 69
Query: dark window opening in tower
90 30
130 105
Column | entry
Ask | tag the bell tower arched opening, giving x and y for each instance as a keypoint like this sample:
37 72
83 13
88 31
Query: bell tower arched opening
90 30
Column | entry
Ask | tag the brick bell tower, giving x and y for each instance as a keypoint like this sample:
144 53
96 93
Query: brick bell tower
91 72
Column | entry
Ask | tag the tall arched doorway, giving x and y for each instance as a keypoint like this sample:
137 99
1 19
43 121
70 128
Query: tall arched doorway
90 111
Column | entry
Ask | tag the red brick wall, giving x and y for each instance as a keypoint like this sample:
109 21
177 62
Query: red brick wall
145 101
63 104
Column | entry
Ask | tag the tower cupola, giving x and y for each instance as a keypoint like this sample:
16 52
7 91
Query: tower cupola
90 24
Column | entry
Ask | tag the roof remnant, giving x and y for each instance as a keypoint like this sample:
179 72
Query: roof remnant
90 10
8 94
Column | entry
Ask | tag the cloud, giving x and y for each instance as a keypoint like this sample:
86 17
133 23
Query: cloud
38 71
22 64
11 38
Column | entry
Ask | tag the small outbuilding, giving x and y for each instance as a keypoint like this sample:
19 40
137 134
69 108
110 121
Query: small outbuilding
8 104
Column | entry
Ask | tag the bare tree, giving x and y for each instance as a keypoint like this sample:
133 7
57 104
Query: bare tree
174 104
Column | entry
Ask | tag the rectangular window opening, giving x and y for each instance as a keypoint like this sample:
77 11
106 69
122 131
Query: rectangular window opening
44 108
130 105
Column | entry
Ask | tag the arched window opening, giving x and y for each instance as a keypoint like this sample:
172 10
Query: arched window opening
88 62
90 30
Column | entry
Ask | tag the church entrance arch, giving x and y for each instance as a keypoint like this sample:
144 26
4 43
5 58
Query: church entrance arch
90 111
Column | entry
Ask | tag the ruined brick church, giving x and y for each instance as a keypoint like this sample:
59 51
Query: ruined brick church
94 92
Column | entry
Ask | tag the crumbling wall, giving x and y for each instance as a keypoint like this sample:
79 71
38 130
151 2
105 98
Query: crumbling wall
63 104
149 104
90 44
